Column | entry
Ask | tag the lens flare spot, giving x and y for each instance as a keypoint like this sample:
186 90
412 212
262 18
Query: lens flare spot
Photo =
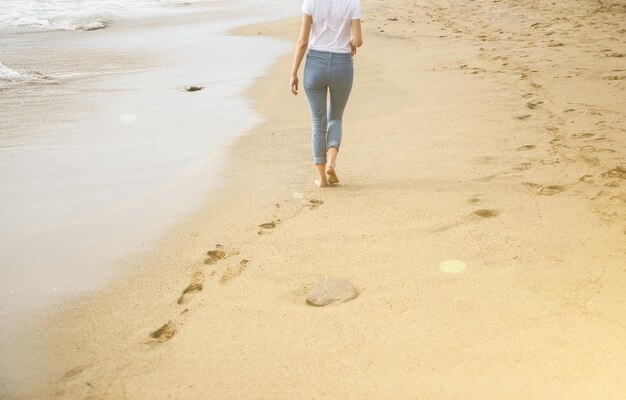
452 266
128 117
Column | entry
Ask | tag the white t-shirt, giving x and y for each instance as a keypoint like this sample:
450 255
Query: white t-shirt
331 29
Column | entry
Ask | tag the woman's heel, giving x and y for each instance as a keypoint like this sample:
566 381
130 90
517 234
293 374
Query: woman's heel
332 175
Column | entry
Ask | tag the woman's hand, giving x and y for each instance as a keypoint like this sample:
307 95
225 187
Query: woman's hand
303 44
294 84
356 40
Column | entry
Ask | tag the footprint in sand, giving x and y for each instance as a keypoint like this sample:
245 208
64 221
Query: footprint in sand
164 333
475 200
473 216
195 285
526 147
584 135
617 172
600 139
219 254
550 190
545 190
611 53
267 227
533 104
523 116
522 167
486 213
471 70
234 272
586 178
73 373
553 43
313 203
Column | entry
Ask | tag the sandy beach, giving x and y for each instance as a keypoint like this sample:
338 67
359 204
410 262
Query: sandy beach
480 214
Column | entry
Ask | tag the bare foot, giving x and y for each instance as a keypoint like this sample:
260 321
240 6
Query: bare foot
332 175
320 184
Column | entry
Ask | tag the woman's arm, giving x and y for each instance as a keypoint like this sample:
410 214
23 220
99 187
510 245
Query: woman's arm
357 37
303 43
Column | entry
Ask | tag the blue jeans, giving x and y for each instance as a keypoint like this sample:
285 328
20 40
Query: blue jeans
324 73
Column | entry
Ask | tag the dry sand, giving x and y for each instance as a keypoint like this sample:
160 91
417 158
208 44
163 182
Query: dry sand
490 132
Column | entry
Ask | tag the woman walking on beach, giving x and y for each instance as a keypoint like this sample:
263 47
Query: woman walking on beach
331 30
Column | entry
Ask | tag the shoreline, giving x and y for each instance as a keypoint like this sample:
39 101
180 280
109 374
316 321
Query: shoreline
25 305
502 204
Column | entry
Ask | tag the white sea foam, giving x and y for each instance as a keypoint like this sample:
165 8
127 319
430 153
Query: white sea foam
44 15
8 74
10 77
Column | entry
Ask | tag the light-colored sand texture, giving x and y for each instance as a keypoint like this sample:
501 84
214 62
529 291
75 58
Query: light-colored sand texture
481 217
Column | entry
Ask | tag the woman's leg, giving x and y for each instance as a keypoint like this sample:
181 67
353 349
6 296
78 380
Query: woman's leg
316 89
319 122
340 87
321 180
331 157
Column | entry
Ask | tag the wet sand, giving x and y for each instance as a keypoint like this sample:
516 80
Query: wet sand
481 216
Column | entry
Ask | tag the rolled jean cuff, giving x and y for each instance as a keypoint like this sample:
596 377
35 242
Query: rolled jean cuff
319 160
333 144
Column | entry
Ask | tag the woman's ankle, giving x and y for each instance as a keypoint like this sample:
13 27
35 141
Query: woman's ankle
321 183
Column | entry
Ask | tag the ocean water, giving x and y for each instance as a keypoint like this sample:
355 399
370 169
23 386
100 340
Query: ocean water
23 16
44 15
31 16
